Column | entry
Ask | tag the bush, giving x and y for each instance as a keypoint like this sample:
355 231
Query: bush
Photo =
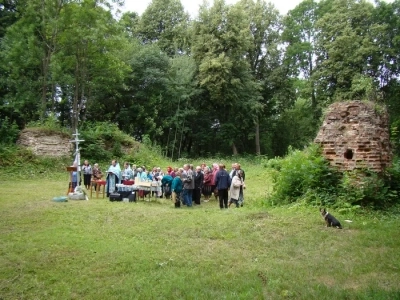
103 141
8 132
303 174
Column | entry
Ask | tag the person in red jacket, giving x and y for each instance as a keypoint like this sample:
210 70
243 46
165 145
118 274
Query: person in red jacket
207 183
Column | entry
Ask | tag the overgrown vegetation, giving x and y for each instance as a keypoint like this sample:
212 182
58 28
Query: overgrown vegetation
306 176
8 131
195 91
303 176
103 142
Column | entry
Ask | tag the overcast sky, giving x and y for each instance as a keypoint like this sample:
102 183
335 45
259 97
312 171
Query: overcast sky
192 6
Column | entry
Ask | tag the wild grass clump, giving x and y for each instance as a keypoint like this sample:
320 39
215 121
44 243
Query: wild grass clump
49 125
306 176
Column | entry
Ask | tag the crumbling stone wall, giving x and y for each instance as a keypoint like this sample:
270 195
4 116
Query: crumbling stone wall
44 143
355 135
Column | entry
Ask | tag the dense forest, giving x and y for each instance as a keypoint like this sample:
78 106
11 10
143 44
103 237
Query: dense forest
237 79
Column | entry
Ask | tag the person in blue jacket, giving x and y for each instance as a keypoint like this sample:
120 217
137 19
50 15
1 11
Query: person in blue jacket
222 184
176 189
166 183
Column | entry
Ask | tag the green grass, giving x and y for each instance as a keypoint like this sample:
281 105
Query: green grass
98 249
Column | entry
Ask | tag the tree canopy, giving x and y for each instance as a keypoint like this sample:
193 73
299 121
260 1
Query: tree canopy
236 79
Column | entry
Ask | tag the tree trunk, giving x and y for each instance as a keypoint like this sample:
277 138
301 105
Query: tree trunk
313 97
258 148
234 149
75 108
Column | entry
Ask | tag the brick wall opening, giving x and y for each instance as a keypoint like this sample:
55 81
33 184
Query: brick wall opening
355 135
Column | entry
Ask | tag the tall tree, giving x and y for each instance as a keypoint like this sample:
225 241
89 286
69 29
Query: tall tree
165 22
263 55
346 46
300 34
221 39
137 111
90 62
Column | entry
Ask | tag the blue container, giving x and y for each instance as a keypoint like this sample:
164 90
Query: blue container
60 199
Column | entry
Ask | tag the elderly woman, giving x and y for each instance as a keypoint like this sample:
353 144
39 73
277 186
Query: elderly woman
97 172
236 185
207 183
215 169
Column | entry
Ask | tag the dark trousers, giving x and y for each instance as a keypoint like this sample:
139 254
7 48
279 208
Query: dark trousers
87 179
196 195
223 198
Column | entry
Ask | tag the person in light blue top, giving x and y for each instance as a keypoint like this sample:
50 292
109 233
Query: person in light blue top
127 173
141 175
113 177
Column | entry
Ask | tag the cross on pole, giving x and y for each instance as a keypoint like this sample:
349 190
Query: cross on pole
77 154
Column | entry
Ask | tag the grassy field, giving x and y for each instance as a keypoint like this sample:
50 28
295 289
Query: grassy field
98 249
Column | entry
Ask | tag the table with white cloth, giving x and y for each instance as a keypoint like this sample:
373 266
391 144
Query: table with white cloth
125 190
153 187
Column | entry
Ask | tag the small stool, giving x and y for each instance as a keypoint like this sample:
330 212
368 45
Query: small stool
100 183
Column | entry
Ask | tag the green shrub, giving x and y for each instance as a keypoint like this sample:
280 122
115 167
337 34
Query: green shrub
148 154
103 141
9 132
361 187
303 174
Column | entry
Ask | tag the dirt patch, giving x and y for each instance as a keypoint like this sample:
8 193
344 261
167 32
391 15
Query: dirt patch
328 281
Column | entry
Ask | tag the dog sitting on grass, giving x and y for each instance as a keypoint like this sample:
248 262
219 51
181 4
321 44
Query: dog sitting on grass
329 219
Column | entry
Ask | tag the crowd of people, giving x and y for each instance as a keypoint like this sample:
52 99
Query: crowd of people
185 186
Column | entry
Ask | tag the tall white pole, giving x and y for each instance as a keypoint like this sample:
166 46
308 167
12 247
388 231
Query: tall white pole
77 154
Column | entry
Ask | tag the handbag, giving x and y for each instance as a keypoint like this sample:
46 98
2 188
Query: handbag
115 197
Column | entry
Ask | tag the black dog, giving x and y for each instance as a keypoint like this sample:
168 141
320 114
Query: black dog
329 219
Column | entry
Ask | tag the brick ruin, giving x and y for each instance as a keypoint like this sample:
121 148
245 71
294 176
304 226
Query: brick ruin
355 135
